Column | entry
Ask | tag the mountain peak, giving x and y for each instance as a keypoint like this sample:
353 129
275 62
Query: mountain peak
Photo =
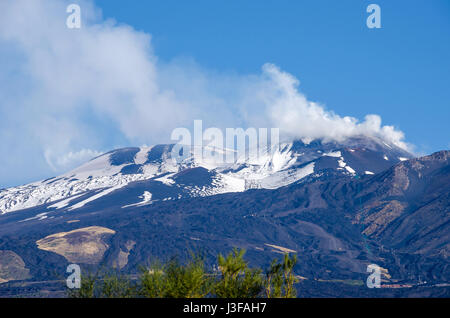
153 169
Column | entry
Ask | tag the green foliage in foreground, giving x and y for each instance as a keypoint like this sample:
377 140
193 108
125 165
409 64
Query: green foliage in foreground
174 280
233 279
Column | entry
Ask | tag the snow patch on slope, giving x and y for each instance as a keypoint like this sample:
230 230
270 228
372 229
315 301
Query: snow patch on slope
167 179
64 203
95 197
146 199
141 156
343 164
336 154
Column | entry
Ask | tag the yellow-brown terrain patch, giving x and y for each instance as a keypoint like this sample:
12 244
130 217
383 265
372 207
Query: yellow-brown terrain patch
12 267
280 249
85 245
386 212
122 257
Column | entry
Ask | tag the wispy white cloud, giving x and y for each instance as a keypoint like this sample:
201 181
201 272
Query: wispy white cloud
66 93
70 159
298 117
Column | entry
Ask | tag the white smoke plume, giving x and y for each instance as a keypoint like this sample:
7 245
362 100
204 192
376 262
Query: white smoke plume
65 92
298 117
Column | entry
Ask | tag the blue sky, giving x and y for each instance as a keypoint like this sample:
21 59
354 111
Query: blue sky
401 71
137 70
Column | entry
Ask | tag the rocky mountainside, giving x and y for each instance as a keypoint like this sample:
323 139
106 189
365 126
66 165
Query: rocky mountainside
336 220
160 178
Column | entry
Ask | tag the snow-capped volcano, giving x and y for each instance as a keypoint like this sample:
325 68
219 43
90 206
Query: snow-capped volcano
140 176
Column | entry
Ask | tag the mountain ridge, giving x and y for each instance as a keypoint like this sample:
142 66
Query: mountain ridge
337 224
291 162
